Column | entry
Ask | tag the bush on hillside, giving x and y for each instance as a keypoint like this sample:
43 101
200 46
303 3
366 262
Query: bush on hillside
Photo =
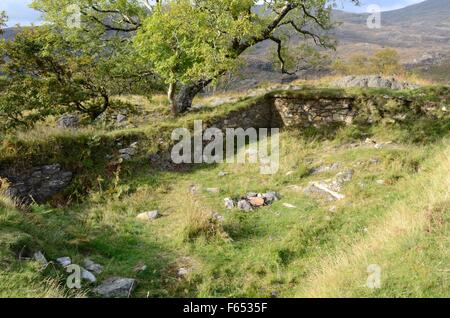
383 62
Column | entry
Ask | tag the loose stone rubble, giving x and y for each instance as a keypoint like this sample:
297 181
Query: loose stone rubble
330 188
92 266
64 261
252 200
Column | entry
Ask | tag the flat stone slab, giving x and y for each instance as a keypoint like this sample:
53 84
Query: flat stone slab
116 287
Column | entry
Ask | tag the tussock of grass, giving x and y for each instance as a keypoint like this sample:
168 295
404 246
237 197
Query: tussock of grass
199 223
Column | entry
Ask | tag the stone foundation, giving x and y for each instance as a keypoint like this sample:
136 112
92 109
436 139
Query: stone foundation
307 112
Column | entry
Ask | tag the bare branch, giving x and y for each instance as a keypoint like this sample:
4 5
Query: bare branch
280 55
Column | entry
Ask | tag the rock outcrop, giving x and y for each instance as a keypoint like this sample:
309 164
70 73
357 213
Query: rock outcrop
68 121
373 81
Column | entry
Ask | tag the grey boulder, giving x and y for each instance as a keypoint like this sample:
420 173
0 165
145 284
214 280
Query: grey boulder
116 287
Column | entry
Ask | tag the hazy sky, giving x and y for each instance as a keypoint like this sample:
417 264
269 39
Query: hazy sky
19 12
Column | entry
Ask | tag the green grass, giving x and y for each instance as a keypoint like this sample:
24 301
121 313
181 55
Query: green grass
306 251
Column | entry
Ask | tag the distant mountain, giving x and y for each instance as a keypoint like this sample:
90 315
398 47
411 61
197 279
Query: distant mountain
9 33
417 31
420 32
431 11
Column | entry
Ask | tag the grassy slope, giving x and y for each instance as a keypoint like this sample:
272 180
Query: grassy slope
307 251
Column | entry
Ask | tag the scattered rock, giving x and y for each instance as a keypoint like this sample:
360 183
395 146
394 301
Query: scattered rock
289 206
244 205
251 195
229 203
182 272
289 173
217 217
193 189
322 188
116 287
39 257
333 209
87 275
381 182
330 188
341 179
68 121
271 196
222 174
213 190
325 168
127 153
121 118
253 200
92 266
374 81
375 161
257 202
64 261
148 216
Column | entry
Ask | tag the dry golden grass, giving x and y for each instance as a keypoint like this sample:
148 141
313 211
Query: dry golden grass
335 273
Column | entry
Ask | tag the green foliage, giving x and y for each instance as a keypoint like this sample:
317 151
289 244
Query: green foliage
3 19
46 73
23 101
189 42
301 58
385 62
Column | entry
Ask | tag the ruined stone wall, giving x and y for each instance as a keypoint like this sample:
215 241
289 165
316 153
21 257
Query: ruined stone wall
305 112
285 111
257 115
37 184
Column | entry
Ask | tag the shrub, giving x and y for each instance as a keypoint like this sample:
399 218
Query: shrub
384 62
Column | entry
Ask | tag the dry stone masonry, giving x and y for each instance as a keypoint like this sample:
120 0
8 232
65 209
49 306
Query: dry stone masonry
37 184
312 111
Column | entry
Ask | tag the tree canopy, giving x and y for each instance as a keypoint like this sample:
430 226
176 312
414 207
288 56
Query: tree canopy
190 43
3 19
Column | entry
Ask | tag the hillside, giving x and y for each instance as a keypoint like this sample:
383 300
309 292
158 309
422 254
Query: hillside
416 30
306 242
419 32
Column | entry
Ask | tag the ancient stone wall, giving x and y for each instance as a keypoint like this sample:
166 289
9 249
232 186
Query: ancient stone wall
305 112
37 184
278 111
257 115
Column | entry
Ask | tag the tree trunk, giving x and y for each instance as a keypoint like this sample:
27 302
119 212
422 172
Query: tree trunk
182 101
171 97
